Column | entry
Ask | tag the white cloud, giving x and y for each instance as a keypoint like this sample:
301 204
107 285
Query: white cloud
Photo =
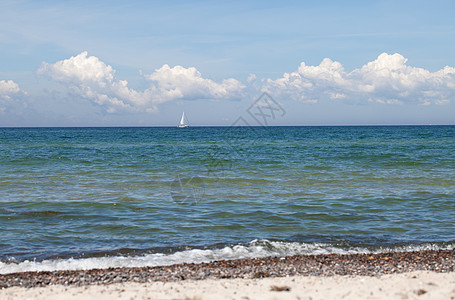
179 82
8 88
92 79
11 96
79 68
388 80
251 78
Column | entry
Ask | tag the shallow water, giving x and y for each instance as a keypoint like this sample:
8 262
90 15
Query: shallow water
130 192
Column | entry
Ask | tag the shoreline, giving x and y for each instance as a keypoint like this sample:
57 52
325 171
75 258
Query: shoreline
324 265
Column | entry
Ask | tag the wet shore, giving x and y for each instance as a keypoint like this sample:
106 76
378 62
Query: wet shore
441 261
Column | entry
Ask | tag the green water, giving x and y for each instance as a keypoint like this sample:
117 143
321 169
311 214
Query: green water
89 192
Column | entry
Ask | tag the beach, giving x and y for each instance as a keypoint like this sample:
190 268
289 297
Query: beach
399 275
413 285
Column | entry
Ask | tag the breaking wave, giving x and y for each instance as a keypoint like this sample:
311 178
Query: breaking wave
253 249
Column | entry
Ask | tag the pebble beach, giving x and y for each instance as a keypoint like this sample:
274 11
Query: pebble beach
271 269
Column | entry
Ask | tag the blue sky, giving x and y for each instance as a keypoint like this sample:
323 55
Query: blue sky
141 63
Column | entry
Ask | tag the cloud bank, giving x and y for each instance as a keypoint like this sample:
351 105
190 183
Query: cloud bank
388 79
92 79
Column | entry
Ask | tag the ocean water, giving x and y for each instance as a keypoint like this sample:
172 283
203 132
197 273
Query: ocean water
75 198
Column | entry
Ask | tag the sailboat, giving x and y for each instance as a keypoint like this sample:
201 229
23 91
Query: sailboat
183 122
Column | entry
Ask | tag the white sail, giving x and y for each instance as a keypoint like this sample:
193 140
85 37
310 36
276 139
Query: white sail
183 122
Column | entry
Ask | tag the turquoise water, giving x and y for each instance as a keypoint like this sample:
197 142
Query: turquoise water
222 192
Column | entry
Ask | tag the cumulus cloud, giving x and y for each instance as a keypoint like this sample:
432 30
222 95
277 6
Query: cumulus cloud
92 79
388 80
179 82
8 88
10 95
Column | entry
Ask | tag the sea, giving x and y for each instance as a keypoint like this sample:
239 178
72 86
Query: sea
83 198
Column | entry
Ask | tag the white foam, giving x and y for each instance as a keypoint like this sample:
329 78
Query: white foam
256 248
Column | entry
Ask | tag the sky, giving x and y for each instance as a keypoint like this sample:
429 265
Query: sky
142 63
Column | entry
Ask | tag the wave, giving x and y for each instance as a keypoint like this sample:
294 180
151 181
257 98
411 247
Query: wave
253 249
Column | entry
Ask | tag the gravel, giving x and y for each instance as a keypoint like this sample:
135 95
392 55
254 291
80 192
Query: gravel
306 265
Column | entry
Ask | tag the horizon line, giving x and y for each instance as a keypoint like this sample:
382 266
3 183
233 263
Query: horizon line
201 126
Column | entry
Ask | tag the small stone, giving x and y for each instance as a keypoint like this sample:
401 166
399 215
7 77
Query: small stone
421 292
283 288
